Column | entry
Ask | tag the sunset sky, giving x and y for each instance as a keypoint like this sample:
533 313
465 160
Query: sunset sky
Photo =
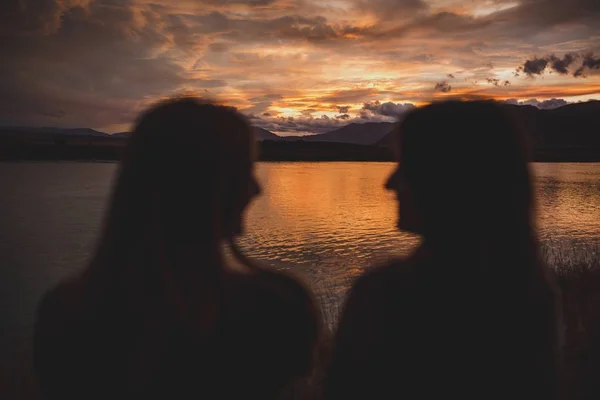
292 66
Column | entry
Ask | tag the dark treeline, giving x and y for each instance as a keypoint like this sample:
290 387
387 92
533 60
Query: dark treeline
268 151
112 149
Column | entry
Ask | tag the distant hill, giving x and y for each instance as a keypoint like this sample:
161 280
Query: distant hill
366 134
263 134
8 130
259 133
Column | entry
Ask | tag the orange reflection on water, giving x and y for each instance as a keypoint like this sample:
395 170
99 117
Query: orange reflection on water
309 211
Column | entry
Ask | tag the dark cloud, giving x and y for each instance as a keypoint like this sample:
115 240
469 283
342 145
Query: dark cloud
579 72
387 109
343 109
561 65
442 87
291 27
548 13
497 82
523 19
537 66
31 16
552 103
544 105
590 62
450 76
96 67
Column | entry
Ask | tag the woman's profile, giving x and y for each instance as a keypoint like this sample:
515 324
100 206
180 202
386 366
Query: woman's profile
472 313
159 312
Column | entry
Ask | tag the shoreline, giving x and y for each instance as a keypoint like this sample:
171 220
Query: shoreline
274 161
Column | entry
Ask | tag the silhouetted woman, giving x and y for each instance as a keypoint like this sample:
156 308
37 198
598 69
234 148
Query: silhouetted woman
472 313
159 313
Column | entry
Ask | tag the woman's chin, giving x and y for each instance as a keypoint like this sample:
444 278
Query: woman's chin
233 232
238 230
400 225
407 226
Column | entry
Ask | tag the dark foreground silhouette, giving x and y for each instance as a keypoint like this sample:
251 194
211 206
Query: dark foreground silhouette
158 313
473 313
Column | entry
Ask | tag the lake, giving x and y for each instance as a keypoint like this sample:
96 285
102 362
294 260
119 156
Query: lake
323 221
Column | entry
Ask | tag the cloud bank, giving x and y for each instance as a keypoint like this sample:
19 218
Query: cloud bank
296 65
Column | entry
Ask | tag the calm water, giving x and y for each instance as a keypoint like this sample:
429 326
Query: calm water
325 221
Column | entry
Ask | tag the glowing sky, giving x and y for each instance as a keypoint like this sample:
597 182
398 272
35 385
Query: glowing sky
292 66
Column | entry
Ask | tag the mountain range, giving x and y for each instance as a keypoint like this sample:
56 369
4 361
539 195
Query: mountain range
568 132
368 133
50 131
364 134
263 134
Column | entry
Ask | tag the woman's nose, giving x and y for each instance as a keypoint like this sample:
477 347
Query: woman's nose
255 188
392 182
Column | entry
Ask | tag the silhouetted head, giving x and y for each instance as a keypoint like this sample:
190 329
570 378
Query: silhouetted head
462 171
182 187
188 171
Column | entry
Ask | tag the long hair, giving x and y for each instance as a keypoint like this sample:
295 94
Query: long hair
466 166
179 185
467 170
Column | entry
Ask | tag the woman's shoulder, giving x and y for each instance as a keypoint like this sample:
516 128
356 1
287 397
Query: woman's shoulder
276 307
